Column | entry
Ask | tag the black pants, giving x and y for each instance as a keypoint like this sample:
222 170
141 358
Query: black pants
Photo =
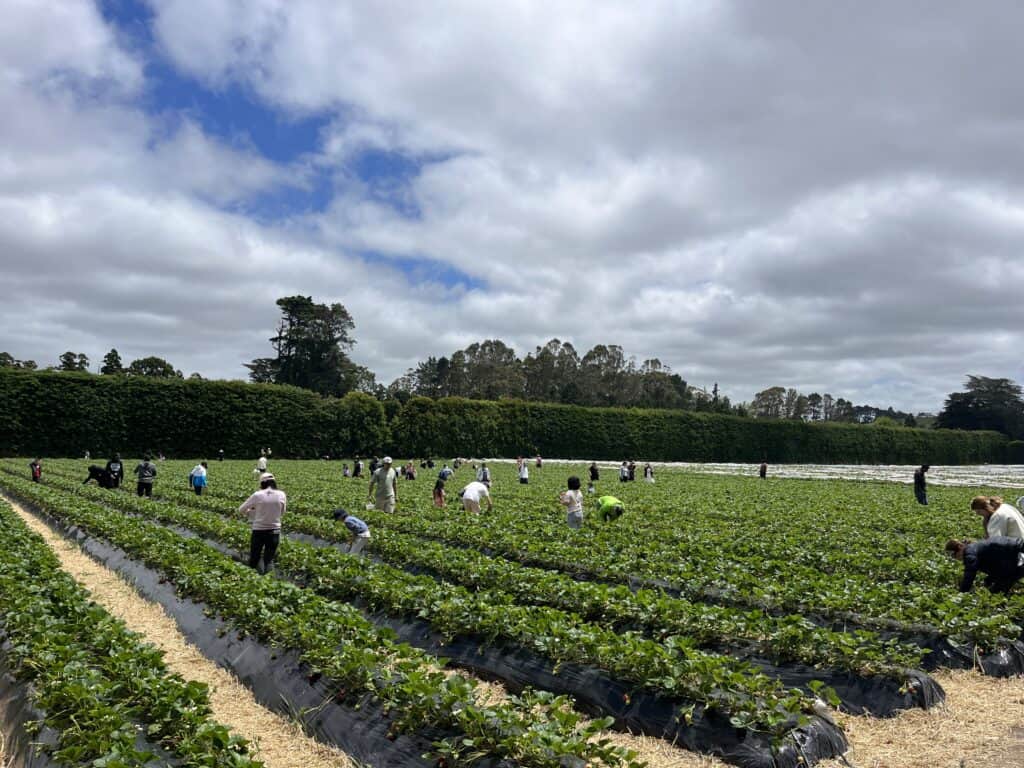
263 543
144 489
198 489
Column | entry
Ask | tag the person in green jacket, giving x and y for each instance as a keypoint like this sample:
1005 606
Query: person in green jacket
609 508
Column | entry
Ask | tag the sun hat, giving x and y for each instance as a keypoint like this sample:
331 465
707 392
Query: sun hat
386 460
266 476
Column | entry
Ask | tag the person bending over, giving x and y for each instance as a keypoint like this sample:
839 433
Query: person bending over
999 558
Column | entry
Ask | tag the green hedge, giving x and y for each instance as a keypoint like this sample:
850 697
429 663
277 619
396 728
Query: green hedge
452 427
65 414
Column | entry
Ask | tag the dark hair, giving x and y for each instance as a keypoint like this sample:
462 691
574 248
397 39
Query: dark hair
574 483
145 457
925 467
264 484
203 463
439 485
955 545
340 514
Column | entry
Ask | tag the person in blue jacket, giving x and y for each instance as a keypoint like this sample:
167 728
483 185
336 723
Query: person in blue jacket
360 531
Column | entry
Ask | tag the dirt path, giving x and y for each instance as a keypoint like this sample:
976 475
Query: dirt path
279 742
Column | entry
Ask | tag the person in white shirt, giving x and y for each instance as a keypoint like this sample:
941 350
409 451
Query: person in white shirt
265 509
1000 519
197 478
385 481
261 463
524 473
573 501
483 474
472 495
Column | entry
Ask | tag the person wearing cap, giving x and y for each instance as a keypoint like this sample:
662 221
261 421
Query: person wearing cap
360 531
265 509
472 495
147 474
385 481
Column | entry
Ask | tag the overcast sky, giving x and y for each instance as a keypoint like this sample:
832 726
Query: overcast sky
824 196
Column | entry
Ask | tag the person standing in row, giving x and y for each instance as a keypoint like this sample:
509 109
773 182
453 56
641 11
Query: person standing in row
147 474
265 509
360 531
261 463
920 488
572 499
197 477
762 471
385 481
524 473
115 471
220 455
648 473
624 473
472 494
439 494
36 468
1000 519
483 474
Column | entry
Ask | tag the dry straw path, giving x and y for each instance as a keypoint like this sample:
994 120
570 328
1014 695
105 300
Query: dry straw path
981 724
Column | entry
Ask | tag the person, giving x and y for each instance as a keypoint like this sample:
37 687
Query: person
920 491
483 474
265 509
360 531
573 501
595 474
999 558
88 455
445 473
197 477
147 474
540 462
624 473
220 455
456 463
439 493
999 519
374 465
430 463
115 471
632 471
524 473
385 481
357 468
261 463
36 468
648 473
100 475
608 507
472 494
410 471
762 471
345 471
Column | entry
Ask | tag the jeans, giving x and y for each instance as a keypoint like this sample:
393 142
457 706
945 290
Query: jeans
922 497
144 489
198 489
263 543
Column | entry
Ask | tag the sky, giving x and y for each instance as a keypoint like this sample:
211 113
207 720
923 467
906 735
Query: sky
825 196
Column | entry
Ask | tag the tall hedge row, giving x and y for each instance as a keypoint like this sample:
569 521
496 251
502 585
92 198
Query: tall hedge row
65 414
453 426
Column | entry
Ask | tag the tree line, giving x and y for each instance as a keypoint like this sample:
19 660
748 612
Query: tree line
312 345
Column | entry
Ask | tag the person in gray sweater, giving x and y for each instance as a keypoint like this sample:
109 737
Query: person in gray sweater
265 509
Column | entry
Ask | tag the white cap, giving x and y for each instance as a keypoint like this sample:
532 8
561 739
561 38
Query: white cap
386 460
266 476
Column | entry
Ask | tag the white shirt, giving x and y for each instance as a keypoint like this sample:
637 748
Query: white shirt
198 471
261 465
1006 521
476 491
524 472
265 509
573 501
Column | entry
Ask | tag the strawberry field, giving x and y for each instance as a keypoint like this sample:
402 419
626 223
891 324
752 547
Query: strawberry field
726 615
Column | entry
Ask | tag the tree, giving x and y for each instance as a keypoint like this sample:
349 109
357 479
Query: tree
9 361
73 361
112 364
153 366
311 349
769 403
987 404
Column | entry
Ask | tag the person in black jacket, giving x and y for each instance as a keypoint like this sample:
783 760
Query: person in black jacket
920 485
999 558
115 471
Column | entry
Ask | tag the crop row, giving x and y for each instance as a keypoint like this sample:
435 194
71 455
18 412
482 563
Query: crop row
99 685
335 640
673 668
781 639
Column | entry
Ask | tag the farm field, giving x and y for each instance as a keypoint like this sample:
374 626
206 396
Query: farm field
732 617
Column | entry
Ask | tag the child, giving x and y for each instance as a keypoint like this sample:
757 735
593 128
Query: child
573 501
439 494
37 470
344 470
360 531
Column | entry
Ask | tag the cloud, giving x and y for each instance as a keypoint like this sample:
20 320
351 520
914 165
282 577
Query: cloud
820 197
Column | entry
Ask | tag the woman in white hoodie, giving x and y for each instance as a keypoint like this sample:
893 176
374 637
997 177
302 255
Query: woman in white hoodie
1001 519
